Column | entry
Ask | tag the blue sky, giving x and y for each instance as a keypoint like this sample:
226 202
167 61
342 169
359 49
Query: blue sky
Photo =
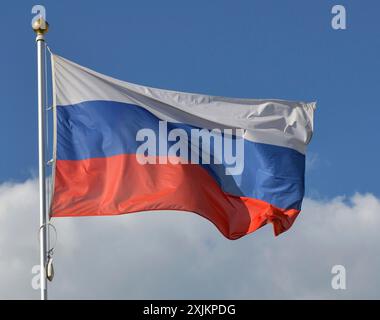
253 49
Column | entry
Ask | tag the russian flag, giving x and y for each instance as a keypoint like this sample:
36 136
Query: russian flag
123 148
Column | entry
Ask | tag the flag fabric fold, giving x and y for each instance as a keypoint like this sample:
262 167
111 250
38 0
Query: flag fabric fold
123 148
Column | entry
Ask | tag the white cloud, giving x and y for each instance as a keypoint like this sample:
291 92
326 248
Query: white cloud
180 255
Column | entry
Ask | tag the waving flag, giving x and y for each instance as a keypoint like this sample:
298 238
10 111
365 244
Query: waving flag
123 148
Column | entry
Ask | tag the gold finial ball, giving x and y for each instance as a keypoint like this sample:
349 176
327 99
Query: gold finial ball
40 26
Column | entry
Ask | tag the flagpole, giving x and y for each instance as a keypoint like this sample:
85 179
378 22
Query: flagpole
40 27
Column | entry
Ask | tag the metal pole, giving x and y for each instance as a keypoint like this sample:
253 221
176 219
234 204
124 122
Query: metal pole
40 27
